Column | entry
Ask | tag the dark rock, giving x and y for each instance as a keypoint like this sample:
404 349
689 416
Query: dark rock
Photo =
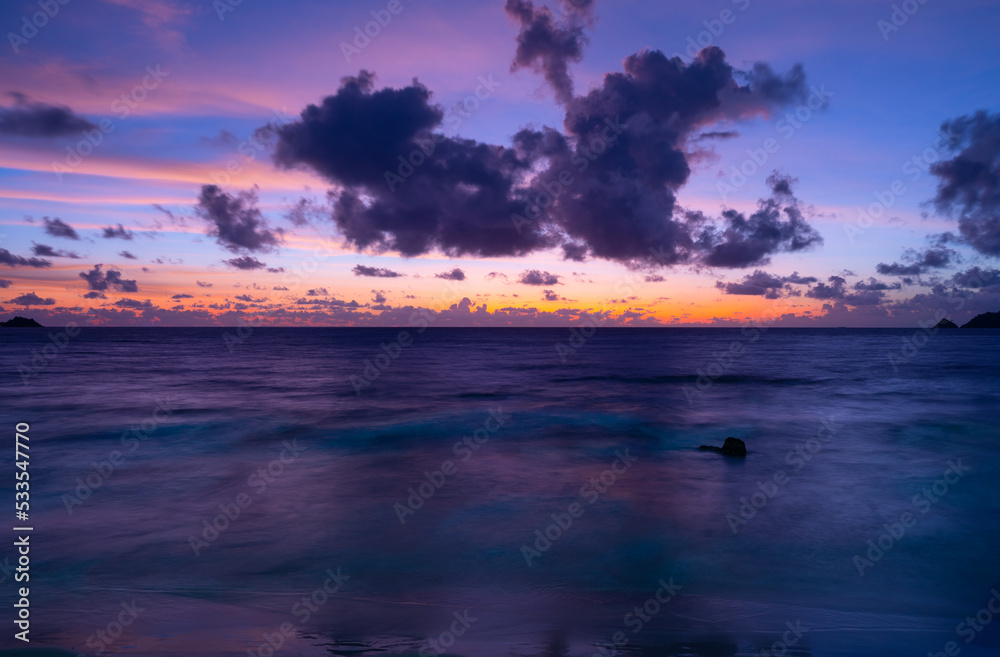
946 323
732 447
21 322
986 320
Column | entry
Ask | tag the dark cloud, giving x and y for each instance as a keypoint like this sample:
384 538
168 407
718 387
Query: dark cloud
117 232
182 296
31 299
455 274
915 262
495 274
275 270
9 259
280 288
135 304
237 222
837 291
800 280
374 272
48 252
547 46
128 254
654 278
759 283
202 284
5 283
94 295
551 295
969 185
604 186
27 118
536 277
741 241
59 228
319 292
100 280
976 277
246 263
873 284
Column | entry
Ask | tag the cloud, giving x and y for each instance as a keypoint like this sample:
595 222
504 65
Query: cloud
743 241
654 278
31 299
280 288
27 118
873 285
455 274
104 280
603 186
379 297
59 228
969 183
547 47
245 263
976 277
49 252
5 283
182 296
319 292
801 280
134 304
536 277
128 254
11 260
550 295
94 295
117 232
202 284
837 291
237 222
759 283
495 274
935 257
375 272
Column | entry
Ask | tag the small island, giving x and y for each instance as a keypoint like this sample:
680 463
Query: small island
945 323
21 322
986 320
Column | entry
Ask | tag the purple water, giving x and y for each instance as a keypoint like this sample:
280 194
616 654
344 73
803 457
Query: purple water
208 421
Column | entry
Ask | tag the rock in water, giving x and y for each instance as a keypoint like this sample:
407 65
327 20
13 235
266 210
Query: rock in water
20 322
732 447
946 323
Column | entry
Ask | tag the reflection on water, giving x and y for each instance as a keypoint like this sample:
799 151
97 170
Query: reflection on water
252 500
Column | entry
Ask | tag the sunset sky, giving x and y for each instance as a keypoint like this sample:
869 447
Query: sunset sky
189 162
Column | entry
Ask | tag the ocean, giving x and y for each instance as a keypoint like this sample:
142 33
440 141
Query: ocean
487 492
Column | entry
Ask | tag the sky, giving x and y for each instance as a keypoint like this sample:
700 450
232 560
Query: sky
499 162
